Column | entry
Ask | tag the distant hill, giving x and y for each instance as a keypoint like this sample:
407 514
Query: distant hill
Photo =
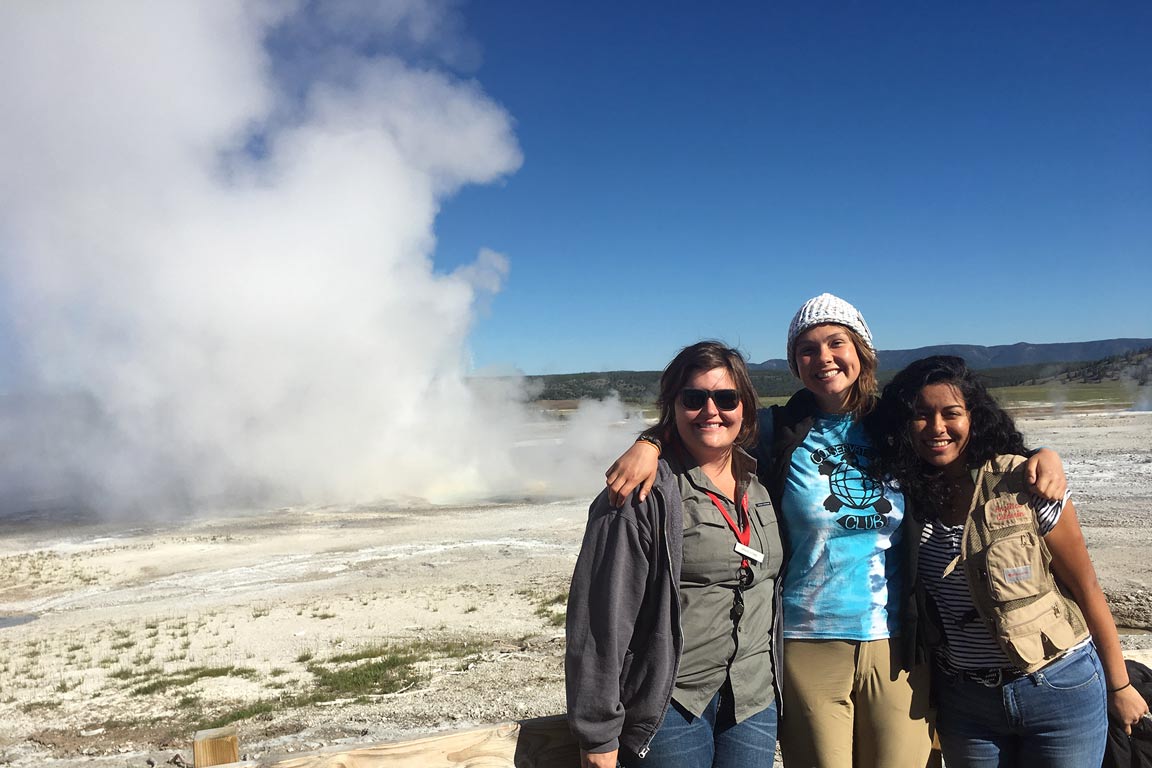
772 378
1001 356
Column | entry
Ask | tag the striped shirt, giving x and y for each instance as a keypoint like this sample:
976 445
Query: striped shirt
969 643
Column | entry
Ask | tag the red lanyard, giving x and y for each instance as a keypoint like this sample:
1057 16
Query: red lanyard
744 532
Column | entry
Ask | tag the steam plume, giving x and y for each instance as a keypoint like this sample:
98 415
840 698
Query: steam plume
216 232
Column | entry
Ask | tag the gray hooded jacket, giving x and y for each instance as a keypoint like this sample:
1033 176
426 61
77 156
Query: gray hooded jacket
623 627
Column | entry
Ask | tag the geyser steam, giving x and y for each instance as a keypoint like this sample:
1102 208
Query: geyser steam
216 230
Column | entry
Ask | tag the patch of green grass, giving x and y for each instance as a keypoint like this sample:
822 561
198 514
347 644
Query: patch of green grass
67 685
1117 394
553 609
377 669
369 652
136 674
189 676
264 706
385 668
386 674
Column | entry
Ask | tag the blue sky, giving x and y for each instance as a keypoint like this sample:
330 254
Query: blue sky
972 172
963 172
255 250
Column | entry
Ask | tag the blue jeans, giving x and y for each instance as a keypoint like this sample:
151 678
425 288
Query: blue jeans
713 740
1056 718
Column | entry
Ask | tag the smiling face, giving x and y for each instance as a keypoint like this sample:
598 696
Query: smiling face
708 433
828 365
940 427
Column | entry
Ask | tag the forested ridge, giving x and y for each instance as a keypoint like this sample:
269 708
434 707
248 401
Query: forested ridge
641 386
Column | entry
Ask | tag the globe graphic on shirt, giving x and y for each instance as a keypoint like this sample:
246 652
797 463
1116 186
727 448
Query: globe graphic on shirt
853 487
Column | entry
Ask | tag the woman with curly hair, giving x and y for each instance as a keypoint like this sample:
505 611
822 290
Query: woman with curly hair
1027 661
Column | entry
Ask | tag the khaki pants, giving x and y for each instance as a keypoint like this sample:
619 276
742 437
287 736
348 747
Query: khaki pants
847 704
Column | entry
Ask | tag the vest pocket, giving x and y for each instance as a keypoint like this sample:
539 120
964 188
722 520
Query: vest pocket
1008 511
1014 568
1036 632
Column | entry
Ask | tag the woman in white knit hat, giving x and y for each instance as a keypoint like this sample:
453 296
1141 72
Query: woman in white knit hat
854 693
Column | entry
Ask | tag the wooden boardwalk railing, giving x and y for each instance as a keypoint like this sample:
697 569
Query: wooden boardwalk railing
542 742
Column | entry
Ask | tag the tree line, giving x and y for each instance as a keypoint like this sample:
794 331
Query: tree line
641 387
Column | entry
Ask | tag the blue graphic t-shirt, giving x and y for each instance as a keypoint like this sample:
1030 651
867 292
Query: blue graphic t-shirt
843 577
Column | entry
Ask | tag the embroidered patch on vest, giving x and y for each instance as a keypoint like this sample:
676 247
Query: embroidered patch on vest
1017 574
1005 512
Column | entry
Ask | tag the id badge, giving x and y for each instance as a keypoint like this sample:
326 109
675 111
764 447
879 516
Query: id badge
754 555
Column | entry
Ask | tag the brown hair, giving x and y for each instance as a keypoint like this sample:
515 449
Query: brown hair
862 395
704 356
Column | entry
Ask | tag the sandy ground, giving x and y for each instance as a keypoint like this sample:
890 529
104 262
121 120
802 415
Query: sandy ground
116 644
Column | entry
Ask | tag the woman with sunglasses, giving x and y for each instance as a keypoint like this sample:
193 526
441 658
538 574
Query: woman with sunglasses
1009 600
853 695
672 614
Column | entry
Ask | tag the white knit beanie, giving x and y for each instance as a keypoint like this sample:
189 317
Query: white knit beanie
822 310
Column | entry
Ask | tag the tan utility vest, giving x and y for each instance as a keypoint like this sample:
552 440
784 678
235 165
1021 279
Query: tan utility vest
1006 563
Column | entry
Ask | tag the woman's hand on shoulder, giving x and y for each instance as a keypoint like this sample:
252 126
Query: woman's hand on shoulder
636 467
1045 475
598 759
1127 706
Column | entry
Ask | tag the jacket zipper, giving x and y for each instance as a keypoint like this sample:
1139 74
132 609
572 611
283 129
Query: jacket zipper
647 745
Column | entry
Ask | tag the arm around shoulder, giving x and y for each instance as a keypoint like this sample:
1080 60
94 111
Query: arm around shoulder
635 468
1044 472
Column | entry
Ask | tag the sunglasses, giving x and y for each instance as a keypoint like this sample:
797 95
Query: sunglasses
694 399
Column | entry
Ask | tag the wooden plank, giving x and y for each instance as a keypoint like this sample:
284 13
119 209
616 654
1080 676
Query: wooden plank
534 743
215 746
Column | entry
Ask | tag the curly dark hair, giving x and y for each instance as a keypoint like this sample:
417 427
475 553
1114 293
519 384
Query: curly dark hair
992 430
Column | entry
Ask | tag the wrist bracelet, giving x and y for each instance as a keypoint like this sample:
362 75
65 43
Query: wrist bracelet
1117 690
652 441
